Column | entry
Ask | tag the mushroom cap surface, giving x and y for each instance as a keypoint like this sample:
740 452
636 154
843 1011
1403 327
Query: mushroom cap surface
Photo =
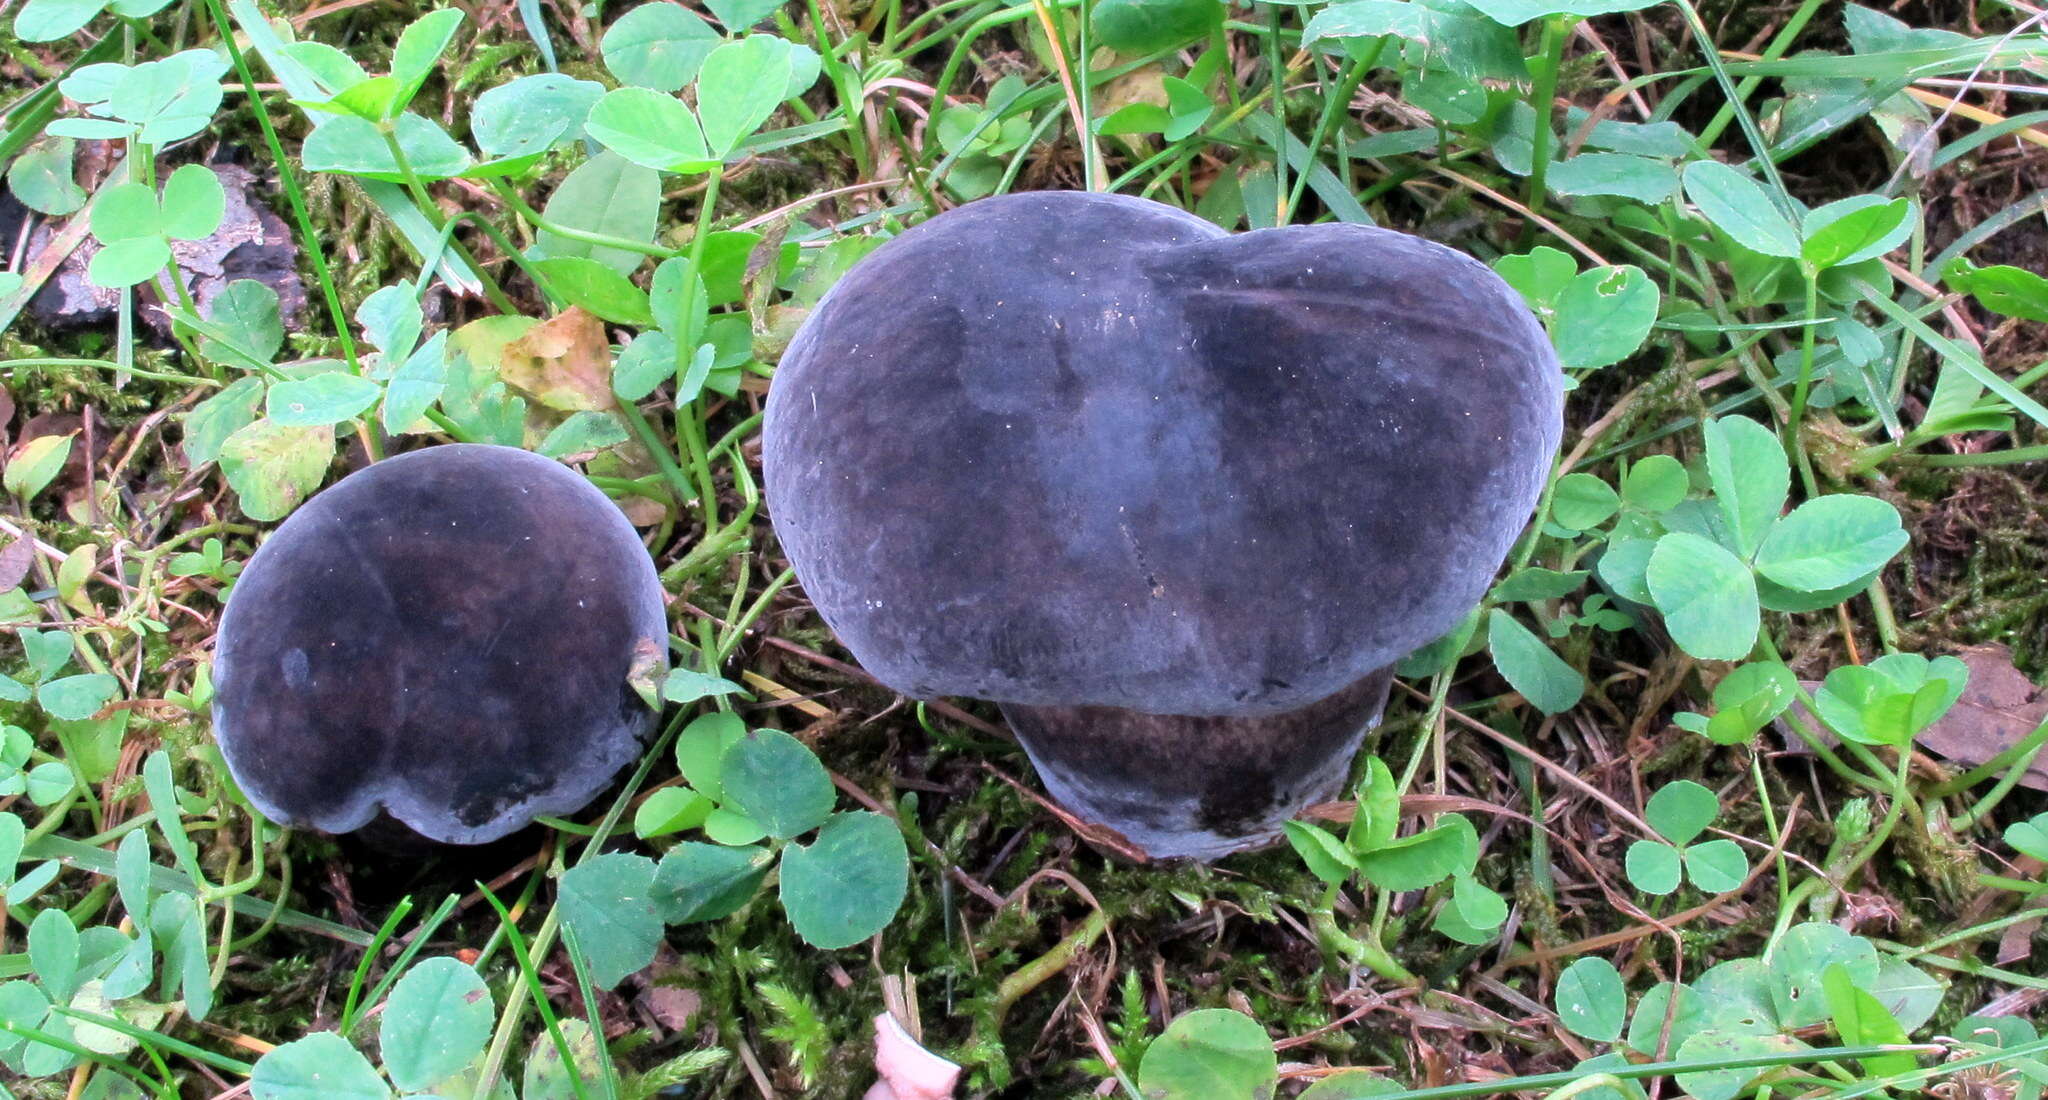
446 636
1073 449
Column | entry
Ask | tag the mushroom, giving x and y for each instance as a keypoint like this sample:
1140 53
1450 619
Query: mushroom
446 636
1176 499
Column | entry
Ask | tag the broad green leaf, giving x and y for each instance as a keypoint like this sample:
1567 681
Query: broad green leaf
739 86
532 114
740 15
608 900
252 331
650 129
1350 1084
125 263
1890 700
1539 275
392 319
1739 207
416 385
1210 1054
1908 993
48 651
1472 46
1531 667
847 885
1655 484
1646 1027
1378 817
1137 27
2013 291
776 780
353 146
643 365
658 45
1477 906
732 828
1831 541
1736 996
1536 583
1604 315
2030 837
13 832
321 400
1425 859
1591 1001
126 211
50 20
171 99
193 203
1706 595
75 698
1749 697
607 195
273 467
1715 866
438 1018
1514 13
1326 856
587 430
53 953
89 129
41 177
33 466
1682 810
685 685
321 1066
1855 229
1802 955
1720 1047
1750 476
331 68
701 747
703 882
1653 866
597 288
551 1076
670 810
1582 502
419 48
1861 1021
209 425
1647 180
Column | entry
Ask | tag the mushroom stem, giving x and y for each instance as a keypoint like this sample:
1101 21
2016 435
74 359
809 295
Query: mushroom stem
1192 786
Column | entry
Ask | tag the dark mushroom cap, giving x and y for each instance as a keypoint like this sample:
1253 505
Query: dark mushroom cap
1080 449
447 636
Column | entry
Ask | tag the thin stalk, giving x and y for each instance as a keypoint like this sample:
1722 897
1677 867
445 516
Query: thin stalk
1543 100
1333 104
1277 74
1796 418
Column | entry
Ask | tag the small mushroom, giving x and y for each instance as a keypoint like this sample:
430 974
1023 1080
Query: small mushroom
1177 499
446 636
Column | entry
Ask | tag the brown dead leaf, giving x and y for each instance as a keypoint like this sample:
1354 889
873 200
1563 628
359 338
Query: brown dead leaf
15 561
2017 942
565 362
2000 706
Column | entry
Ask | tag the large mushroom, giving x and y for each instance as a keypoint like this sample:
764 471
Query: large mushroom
1176 499
446 637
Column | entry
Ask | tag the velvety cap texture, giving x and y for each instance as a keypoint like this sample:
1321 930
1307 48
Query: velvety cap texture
1060 448
445 635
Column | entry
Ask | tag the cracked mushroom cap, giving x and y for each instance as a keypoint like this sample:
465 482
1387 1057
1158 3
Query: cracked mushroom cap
1061 448
445 636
